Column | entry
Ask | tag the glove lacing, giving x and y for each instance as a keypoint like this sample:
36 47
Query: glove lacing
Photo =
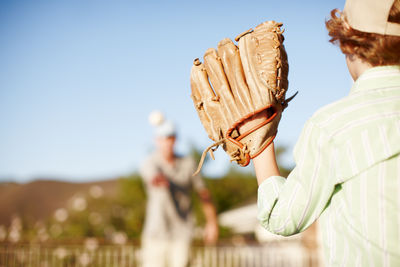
210 149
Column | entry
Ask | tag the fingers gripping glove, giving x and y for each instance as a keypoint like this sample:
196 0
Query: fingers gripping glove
238 83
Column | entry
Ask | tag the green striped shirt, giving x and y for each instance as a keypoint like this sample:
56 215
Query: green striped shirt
347 174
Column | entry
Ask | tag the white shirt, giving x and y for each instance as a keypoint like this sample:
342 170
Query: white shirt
168 212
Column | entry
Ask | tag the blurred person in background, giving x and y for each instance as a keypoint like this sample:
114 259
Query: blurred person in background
169 223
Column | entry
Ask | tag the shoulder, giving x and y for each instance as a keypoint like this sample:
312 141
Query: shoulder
188 159
328 112
185 159
321 126
188 164
320 120
334 117
150 158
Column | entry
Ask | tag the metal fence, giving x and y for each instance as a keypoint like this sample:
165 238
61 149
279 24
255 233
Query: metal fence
129 256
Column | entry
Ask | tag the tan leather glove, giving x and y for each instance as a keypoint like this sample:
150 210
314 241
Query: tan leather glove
238 83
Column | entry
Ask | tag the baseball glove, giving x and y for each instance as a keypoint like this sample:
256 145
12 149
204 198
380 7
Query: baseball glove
237 84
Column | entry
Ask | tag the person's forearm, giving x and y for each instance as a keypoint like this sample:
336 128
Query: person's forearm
209 212
211 227
265 164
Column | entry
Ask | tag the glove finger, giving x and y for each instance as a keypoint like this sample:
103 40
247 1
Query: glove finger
260 54
216 74
198 77
232 64
207 103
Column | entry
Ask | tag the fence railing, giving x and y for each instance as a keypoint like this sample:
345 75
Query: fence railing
129 256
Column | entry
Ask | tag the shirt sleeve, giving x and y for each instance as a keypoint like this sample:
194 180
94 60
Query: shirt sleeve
289 206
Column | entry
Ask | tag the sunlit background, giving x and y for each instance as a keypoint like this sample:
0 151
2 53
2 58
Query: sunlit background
77 82
78 78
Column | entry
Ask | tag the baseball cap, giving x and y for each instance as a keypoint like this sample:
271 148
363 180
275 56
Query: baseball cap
371 16
165 129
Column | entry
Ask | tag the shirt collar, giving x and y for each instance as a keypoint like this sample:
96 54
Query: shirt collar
376 77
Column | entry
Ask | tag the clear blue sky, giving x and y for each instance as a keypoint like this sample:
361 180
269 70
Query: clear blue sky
78 78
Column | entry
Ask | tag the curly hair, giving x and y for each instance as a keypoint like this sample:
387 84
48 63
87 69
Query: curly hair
376 49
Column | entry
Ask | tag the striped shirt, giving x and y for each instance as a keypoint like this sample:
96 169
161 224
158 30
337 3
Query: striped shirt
347 174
